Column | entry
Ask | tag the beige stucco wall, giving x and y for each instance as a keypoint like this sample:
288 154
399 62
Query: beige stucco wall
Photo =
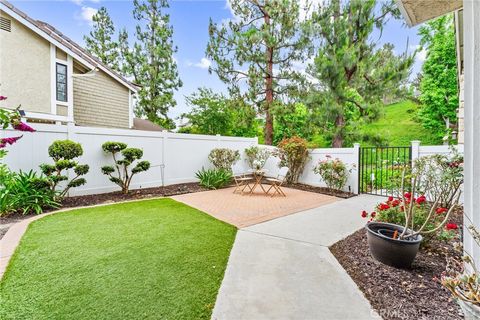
24 68
99 100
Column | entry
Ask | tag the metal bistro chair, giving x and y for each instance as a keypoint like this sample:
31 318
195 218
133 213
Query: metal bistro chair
241 179
276 183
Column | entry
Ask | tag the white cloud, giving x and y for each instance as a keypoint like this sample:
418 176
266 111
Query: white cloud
421 52
77 2
203 64
86 14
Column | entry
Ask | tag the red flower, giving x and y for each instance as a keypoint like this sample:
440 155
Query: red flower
441 210
421 199
451 226
373 214
364 214
383 206
395 203
3 98
402 208
390 199
23 127
407 195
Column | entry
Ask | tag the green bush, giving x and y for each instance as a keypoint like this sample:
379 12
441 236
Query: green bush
214 178
333 172
293 153
25 193
256 157
63 152
124 175
223 158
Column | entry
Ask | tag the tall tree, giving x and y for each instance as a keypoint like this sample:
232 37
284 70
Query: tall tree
100 43
255 53
438 84
353 72
150 61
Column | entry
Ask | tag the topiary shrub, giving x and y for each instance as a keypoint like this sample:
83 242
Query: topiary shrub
293 153
123 175
223 158
256 157
63 152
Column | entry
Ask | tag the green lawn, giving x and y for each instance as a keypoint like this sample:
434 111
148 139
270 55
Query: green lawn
399 126
152 259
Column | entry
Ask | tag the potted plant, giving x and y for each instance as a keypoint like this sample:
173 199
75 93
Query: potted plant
464 282
396 244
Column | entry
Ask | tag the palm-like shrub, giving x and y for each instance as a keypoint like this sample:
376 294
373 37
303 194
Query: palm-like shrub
63 153
120 173
214 178
223 158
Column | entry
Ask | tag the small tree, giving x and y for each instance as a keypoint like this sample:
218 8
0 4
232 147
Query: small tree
333 172
63 152
256 157
293 153
123 177
223 158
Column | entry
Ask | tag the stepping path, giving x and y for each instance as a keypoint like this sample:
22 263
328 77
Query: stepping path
283 269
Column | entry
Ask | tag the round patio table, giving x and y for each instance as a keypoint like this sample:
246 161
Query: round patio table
258 176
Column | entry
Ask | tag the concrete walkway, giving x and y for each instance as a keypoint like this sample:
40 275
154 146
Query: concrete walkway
283 269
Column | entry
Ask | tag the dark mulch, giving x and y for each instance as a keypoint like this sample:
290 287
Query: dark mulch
322 190
112 197
401 294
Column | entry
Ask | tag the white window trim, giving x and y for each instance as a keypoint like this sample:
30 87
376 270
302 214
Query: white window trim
130 109
53 83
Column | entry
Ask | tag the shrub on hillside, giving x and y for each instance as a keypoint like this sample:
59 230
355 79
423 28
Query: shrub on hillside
63 153
120 173
223 158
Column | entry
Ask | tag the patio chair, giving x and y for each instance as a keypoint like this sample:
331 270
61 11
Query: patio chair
277 182
241 179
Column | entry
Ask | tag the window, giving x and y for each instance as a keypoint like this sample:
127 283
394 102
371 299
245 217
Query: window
61 82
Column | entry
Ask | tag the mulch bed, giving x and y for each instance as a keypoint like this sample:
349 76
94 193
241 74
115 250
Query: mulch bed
322 190
413 293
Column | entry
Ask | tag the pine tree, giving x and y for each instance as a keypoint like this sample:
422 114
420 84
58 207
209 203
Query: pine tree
255 53
100 43
150 61
353 73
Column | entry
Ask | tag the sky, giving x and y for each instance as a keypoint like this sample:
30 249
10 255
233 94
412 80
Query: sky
190 19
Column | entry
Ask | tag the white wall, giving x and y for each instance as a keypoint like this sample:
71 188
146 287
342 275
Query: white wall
182 154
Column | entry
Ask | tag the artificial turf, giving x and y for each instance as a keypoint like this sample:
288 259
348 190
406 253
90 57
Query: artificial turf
151 259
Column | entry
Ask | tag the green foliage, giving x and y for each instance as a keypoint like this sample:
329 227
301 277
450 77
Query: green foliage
438 84
100 42
264 36
213 113
293 153
292 120
353 73
214 178
25 193
223 158
256 157
124 175
333 172
150 61
63 153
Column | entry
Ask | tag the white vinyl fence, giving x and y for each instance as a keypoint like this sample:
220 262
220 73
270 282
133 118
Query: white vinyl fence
181 154
177 156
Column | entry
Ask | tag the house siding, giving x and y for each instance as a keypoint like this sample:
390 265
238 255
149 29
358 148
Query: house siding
24 68
99 100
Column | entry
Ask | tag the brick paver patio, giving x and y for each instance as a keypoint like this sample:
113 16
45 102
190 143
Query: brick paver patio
246 210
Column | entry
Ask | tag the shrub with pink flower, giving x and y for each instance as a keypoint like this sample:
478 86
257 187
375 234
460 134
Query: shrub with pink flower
13 119
333 172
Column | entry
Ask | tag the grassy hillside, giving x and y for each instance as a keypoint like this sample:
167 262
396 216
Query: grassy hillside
399 127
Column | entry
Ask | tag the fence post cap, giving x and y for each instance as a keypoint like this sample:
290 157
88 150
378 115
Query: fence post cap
356 145
415 142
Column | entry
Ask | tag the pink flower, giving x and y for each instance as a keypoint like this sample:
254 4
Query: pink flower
10 140
3 98
23 127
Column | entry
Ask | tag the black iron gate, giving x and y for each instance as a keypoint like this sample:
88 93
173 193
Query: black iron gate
380 169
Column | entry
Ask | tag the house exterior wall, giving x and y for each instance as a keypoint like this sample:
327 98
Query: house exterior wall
24 68
461 110
99 100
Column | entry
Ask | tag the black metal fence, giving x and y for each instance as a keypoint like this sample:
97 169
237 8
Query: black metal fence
380 169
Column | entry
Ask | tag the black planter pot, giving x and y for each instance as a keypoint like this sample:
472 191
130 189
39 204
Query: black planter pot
393 252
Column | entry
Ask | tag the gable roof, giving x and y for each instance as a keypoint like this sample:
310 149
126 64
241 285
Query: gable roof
63 42
418 11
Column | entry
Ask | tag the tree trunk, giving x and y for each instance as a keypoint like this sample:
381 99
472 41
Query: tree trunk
338 138
269 92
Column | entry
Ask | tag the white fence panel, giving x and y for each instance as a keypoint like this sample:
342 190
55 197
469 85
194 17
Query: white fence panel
182 155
